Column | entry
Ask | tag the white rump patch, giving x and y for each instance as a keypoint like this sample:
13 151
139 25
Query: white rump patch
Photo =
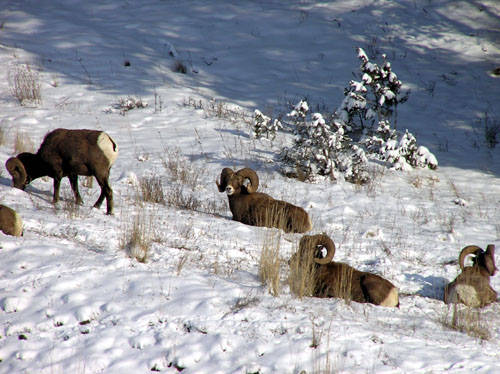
392 298
108 147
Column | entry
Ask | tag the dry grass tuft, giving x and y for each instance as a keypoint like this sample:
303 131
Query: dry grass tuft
467 320
23 143
2 136
138 236
270 262
25 85
302 277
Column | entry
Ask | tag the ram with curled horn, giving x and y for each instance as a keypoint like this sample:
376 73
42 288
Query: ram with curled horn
259 209
472 286
68 153
339 280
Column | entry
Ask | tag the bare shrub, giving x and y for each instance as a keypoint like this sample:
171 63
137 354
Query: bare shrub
219 109
179 169
183 198
25 85
150 189
270 262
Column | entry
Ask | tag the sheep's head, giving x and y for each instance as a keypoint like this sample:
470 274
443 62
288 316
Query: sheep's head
18 172
313 245
243 181
483 259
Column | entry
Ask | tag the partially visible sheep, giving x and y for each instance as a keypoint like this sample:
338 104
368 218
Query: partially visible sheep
259 209
10 222
68 153
336 279
472 286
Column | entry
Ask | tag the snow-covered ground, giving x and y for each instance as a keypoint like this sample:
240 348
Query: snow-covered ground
73 301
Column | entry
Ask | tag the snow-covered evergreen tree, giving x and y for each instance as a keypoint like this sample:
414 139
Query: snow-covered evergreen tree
406 154
372 99
264 126
323 149
340 146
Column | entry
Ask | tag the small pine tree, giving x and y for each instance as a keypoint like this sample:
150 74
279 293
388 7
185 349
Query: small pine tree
406 154
372 99
324 149
264 126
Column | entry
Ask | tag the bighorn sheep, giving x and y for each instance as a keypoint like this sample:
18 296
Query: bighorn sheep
472 286
10 222
259 209
68 153
336 279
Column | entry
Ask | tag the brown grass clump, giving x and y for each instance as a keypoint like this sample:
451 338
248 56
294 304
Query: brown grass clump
270 263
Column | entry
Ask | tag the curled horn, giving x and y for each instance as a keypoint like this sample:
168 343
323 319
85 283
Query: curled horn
224 176
16 169
252 177
311 242
469 250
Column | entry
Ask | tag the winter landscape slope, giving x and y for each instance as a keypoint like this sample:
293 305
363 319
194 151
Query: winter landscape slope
73 300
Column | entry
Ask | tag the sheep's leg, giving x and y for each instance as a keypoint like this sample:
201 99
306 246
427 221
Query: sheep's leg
106 192
73 180
57 185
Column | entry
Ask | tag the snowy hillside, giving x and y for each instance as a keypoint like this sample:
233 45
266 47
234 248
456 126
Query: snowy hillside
175 84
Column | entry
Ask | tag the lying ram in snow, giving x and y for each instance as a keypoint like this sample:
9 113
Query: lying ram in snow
336 279
10 222
472 286
259 209
68 153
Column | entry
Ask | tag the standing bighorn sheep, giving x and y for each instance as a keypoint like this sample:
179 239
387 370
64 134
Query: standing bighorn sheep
68 153
10 222
259 209
336 279
472 286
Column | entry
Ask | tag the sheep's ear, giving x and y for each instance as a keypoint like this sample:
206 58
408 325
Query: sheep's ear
489 259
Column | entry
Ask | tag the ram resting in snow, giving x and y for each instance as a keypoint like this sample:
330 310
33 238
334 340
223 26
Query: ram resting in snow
472 286
259 209
336 279
68 153
10 221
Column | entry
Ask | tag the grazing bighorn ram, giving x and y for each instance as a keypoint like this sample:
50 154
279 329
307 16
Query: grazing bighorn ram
259 209
68 153
10 222
472 286
336 279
